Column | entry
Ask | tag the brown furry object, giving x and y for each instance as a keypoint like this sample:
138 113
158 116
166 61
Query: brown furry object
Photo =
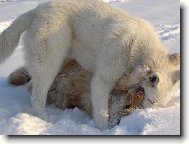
19 77
71 88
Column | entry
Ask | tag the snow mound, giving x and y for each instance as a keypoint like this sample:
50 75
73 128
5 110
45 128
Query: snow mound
23 124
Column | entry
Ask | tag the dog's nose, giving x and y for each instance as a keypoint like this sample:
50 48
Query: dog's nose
154 80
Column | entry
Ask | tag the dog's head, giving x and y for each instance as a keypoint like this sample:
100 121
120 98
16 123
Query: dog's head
160 83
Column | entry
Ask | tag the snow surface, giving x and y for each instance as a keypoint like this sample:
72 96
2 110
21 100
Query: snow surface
15 108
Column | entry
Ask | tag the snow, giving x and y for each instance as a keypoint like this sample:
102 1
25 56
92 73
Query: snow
156 11
15 108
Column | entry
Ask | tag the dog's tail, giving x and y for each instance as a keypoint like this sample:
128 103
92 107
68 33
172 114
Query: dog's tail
10 37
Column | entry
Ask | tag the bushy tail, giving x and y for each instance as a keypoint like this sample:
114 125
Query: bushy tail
10 37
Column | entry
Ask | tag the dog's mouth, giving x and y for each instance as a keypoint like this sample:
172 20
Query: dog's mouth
152 102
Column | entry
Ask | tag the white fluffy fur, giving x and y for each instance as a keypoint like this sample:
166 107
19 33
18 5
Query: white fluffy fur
105 40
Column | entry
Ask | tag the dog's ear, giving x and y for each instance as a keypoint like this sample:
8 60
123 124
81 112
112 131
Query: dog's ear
176 76
174 58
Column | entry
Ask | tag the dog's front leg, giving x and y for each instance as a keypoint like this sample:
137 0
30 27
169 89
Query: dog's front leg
100 90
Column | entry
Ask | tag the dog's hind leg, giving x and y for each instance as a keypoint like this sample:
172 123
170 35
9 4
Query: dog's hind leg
45 57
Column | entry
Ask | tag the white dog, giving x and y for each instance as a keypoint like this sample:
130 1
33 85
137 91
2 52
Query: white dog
105 40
